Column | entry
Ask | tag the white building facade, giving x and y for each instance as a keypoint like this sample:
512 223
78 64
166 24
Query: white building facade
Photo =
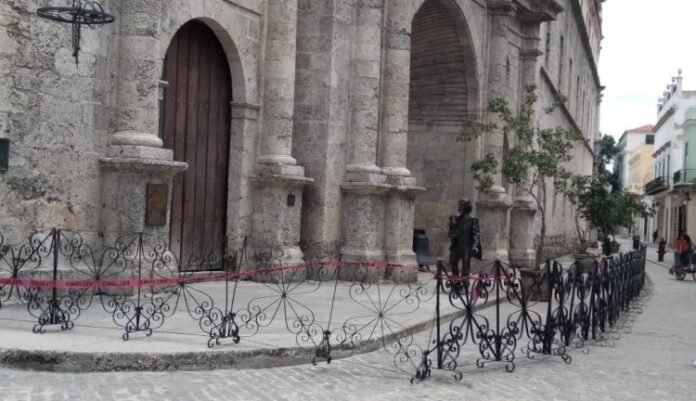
674 171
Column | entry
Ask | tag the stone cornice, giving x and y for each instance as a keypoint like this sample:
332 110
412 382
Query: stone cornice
664 118
365 188
538 10
577 12
501 7
285 181
136 165
371 188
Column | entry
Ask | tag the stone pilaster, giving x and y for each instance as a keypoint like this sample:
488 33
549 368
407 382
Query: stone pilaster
279 181
399 220
124 194
362 224
492 210
365 77
135 157
522 233
245 123
140 68
277 213
524 209
498 83
396 77
493 207
279 82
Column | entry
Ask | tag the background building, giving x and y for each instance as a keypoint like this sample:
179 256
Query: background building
633 143
674 171
634 168
322 128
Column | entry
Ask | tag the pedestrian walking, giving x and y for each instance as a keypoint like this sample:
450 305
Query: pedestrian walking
655 237
684 248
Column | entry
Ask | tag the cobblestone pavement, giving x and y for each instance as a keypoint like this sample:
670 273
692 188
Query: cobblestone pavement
653 362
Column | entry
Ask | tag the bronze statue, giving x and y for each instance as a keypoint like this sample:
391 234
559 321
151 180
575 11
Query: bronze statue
465 239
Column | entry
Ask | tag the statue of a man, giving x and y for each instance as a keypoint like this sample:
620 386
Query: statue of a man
465 239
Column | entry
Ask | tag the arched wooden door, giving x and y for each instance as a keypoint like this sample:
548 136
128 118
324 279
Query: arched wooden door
196 114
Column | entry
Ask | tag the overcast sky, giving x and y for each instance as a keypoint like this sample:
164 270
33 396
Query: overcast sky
645 43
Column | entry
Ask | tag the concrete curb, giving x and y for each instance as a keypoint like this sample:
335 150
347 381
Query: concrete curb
67 361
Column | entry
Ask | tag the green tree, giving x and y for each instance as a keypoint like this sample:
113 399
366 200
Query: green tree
536 159
605 209
608 150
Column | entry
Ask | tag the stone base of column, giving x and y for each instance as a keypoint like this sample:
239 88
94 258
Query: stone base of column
399 219
277 211
124 196
492 211
523 258
522 219
135 138
124 192
362 224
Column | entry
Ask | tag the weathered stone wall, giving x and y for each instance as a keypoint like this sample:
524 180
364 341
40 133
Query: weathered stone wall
443 93
347 105
567 71
571 67
57 116
325 35
60 117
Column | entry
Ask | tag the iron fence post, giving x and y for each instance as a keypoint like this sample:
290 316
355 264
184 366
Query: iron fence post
54 294
438 283
548 335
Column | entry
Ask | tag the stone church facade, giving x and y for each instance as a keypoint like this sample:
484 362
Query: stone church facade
326 128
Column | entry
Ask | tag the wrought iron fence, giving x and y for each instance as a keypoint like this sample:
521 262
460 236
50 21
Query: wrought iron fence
229 296
581 306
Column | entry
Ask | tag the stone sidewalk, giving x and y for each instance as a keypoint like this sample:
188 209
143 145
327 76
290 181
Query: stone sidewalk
652 362
373 310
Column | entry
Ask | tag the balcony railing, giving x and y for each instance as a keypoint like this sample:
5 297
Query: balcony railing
684 178
656 186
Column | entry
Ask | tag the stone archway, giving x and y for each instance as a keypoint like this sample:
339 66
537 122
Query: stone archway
443 91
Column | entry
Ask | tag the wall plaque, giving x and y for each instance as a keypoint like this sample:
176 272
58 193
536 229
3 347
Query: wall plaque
4 154
157 205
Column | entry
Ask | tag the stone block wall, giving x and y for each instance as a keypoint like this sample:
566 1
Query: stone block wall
57 116
371 110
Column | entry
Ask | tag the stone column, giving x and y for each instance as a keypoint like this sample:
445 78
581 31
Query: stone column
279 83
362 224
395 93
278 184
135 157
364 188
522 232
399 219
524 208
245 123
139 71
362 158
493 207
378 203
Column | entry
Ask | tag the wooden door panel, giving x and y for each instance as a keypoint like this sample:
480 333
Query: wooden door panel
196 125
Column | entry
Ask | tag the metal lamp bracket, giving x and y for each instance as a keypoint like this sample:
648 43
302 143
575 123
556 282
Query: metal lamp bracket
79 13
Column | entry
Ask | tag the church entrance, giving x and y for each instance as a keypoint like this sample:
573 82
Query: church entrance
442 91
196 113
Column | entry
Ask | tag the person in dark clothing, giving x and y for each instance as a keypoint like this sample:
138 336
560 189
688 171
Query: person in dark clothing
684 246
465 239
655 237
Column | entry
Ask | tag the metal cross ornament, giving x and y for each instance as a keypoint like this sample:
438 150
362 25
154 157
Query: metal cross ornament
79 13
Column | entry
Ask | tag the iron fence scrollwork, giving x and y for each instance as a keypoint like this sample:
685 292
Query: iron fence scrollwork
500 312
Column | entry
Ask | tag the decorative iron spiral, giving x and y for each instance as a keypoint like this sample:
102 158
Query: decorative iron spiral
81 12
